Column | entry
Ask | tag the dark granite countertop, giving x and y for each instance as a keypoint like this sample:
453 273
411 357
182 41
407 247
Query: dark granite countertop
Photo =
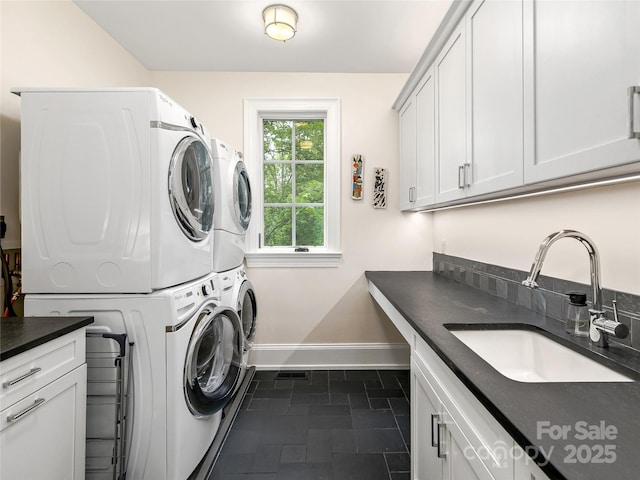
19 334
429 302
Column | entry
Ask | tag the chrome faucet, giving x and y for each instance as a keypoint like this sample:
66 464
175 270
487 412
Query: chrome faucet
600 326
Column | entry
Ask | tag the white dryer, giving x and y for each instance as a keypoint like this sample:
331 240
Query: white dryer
116 192
185 366
237 292
233 203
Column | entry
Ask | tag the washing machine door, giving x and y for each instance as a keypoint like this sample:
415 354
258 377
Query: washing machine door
213 360
242 196
191 187
248 311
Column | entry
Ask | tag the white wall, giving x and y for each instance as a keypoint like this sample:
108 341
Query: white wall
324 305
509 233
55 44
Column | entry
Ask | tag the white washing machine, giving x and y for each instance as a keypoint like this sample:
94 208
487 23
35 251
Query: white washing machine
185 366
116 192
237 292
233 203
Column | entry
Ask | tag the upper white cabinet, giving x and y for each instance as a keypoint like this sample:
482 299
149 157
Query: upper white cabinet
408 155
528 95
450 71
581 57
426 141
417 147
495 93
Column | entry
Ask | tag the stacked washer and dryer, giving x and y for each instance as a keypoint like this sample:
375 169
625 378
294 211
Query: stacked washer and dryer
233 198
117 199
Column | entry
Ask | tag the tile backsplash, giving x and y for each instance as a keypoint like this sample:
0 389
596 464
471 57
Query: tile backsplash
549 298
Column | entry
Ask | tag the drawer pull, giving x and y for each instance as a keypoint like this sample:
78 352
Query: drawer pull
434 442
440 452
31 372
632 92
18 416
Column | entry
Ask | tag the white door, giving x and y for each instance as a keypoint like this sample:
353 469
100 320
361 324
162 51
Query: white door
582 58
426 141
450 72
426 435
408 155
495 90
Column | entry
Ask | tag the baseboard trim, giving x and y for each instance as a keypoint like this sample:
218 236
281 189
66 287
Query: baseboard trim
330 356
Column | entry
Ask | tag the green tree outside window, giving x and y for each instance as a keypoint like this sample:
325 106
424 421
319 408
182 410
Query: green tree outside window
294 169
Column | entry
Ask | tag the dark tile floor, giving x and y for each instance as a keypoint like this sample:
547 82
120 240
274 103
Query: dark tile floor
320 425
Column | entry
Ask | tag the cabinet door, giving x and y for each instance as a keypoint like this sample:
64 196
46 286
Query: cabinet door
408 155
461 459
426 141
495 92
581 58
42 436
450 72
526 469
425 412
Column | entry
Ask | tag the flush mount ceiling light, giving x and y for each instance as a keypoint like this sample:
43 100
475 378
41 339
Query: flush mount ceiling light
280 22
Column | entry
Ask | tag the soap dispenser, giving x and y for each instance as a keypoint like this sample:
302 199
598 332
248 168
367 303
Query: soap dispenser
577 314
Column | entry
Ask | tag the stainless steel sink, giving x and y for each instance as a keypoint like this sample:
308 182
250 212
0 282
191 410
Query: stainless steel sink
527 356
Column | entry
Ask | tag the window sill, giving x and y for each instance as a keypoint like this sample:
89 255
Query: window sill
293 259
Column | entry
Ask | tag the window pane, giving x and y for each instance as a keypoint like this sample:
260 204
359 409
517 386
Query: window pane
310 226
277 226
277 140
310 140
277 183
309 183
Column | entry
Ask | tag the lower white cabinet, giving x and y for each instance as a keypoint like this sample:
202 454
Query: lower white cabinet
42 433
443 450
453 436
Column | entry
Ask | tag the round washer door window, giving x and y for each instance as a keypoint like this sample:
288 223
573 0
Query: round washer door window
214 356
191 188
242 195
248 311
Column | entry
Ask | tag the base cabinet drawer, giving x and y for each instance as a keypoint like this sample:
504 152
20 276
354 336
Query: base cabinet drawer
42 436
31 370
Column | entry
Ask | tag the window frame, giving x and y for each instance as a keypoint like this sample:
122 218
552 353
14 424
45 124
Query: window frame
257 109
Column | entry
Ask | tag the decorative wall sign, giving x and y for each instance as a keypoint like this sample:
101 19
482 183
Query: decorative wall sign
358 177
380 188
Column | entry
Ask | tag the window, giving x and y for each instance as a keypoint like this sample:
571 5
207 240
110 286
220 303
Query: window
292 152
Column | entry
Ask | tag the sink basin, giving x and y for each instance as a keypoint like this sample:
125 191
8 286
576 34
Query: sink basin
527 356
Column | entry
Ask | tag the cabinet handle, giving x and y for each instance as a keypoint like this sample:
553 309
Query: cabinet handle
633 91
464 175
411 190
434 442
11 383
440 452
18 416
461 176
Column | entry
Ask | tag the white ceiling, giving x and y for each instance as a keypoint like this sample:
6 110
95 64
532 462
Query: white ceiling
350 36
